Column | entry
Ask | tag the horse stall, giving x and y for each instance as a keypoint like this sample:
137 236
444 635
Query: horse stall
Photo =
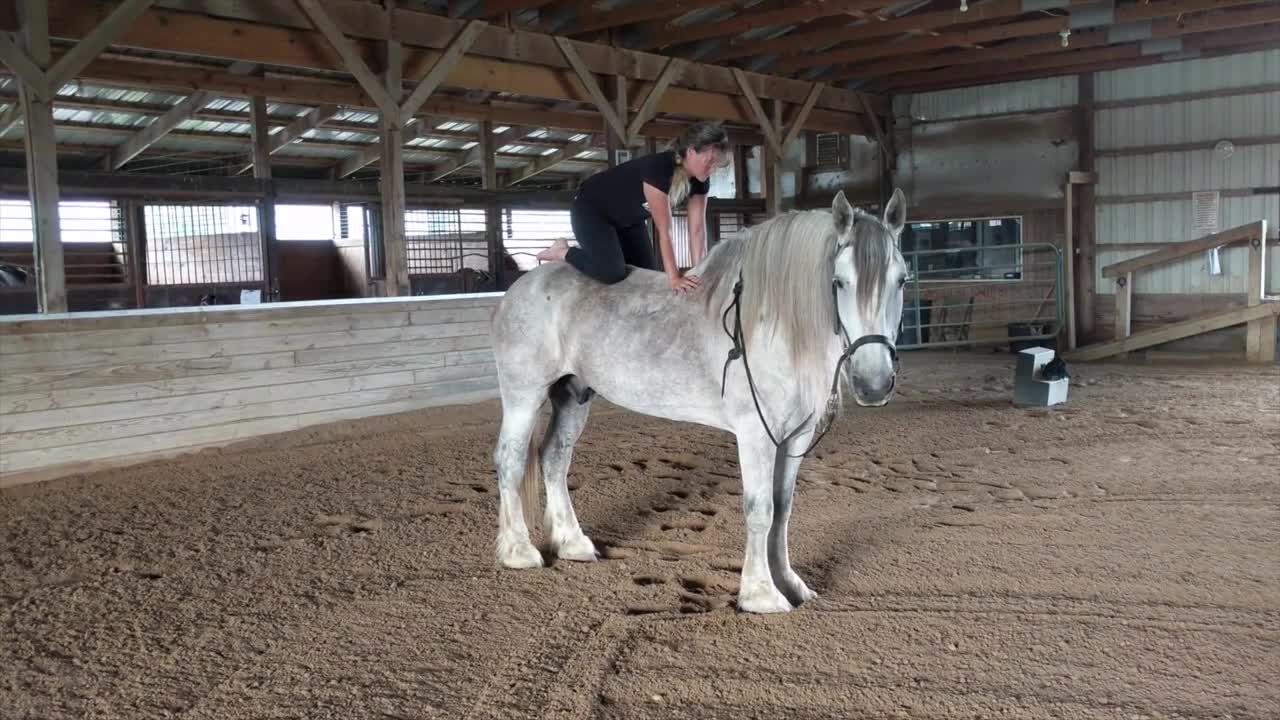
975 412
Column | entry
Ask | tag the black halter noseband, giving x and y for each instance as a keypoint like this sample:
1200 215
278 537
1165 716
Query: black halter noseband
739 351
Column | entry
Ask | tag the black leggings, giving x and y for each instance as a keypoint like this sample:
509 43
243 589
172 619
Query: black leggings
605 249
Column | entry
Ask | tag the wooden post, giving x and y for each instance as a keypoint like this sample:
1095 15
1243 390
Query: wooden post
135 237
260 129
493 215
42 166
1068 252
1260 334
391 179
771 166
1087 231
1124 308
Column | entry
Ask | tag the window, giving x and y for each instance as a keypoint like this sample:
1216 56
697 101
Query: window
964 249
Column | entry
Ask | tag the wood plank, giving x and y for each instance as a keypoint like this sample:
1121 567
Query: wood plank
165 31
12 344
395 349
803 115
365 405
766 125
441 69
425 30
1242 233
152 133
39 400
70 64
193 411
48 380
592 88
351 58
194 315
792 13
211 349
650 105
27 72
1175 331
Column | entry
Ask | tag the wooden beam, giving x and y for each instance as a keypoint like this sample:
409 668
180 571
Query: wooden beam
768 128
1021 50
471 158
26 71
443 66
638 13
650 104
1176 251
12 116
260 127
546 162
798 121
42 168
149 135
876 27
526 54
593 88
351 58
1175 331
311 120
70 65
792 14
496 8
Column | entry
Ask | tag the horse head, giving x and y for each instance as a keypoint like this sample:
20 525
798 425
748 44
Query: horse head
868 280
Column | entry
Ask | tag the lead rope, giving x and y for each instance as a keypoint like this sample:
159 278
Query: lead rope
739 352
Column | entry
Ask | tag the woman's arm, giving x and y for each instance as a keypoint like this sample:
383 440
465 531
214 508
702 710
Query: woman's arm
697 207
660 210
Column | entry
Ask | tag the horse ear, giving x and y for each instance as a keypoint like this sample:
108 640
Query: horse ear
842 214
895 212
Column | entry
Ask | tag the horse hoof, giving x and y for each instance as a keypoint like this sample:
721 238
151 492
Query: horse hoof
579 549
519 556
764 601
800 591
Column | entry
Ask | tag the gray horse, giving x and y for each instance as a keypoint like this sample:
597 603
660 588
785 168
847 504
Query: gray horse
757 350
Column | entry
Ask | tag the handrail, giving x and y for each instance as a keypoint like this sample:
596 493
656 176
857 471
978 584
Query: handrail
1235 235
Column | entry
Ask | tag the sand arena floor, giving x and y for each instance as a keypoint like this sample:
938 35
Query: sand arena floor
1117 558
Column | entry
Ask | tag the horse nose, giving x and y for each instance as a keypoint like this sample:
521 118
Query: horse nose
875 389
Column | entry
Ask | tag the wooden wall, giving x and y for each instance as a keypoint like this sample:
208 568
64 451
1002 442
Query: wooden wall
80 389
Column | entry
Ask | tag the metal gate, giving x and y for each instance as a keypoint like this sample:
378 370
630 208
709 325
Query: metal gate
989 295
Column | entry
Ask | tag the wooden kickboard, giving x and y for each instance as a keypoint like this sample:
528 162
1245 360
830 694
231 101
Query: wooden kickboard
1176 331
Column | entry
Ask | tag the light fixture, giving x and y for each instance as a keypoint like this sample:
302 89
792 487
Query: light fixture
1065 34
964 5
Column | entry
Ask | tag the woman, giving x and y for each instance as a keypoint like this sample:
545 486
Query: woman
608 213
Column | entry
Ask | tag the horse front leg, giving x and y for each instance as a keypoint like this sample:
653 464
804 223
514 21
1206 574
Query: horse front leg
784 487
757 592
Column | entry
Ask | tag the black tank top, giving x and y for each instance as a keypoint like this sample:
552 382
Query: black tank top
618 192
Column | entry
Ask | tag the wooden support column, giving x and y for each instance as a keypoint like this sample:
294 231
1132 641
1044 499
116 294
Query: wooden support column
1124 308
493 215
260 129
771 167
612 141
135 238
1260 334
391 177
42 165
1086 230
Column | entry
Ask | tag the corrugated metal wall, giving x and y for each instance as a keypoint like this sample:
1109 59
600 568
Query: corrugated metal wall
1145 186
1027 96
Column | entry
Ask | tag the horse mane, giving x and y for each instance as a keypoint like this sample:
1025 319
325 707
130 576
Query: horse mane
787 268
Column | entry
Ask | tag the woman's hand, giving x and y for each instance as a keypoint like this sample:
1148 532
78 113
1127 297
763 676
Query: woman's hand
681 284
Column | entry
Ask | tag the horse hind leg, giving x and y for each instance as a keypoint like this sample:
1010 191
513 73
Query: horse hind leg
570 404
514 464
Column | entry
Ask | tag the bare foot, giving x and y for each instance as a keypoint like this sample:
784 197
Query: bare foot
557 251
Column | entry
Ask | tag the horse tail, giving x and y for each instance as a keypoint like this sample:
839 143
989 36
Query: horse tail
531 484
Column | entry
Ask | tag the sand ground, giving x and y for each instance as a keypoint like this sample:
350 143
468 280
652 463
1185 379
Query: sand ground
1118 557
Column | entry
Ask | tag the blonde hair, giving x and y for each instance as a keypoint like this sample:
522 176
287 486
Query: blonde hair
699 137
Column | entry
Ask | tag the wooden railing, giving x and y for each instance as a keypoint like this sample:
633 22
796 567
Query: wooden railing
1261 321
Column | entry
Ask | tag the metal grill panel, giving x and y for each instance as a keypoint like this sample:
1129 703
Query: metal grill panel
193 244
95 251
441 241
